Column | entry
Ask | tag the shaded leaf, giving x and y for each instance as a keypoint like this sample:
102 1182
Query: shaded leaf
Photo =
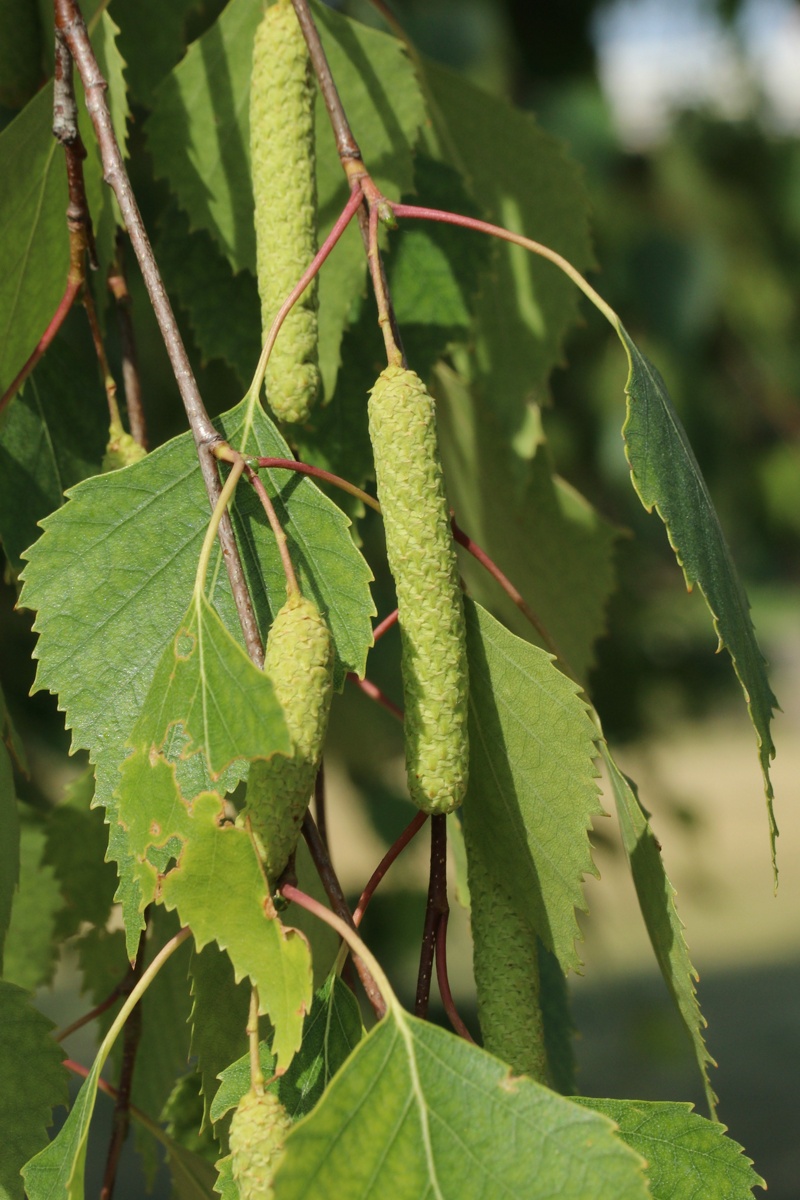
417 1112
30 951
207 685
34 1083
687 1156
218 888
554 547
192 1176
75 846
559 1027
656 897
331 1032
223 308
52 436
34 256
152 40
532 790
219 1017
9 821
666 477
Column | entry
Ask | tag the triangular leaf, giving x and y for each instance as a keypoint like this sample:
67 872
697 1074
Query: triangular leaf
331 1032
532 789
666 476
418 1112
52 436
34 1082
206 684
218 888
687 1156
657 901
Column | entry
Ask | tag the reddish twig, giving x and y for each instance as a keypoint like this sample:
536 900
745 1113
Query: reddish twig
397 847
292 464
65 304
123 988
70 23
374 692
118 286
436 906
130 1047
443 980
385 625
333 890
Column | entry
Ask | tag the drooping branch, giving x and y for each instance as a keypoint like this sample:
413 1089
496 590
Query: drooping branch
72 27
346 144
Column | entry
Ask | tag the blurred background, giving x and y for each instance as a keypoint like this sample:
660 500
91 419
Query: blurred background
685 118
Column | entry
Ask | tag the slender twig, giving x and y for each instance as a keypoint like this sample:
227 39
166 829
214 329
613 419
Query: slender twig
396 848
118 286
346 144
71 25
435 907
320 807
292 586
109 382
336 232
123 988
394 353
292 464
130 1046
333 890
443 980
374 692
65 304
384 625
67 132
365 962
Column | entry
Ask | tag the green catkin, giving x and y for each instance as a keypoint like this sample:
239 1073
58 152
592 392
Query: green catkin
506 966
422 558
258 1132
299 662
284 188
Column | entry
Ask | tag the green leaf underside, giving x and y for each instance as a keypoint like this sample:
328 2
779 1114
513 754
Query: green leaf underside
416 1112
208 686
656 897
53 435
532 789
687 1156
207 96
34 1082
217 887
111 590
666 477
331 1032
35 256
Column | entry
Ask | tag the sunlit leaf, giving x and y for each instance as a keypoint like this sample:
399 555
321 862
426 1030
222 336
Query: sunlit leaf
666 476
416 1112
687 1156
34 1082
529 734
657 901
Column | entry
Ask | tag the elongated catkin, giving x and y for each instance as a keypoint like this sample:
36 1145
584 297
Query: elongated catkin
258 1131
284 188
299 662
422 558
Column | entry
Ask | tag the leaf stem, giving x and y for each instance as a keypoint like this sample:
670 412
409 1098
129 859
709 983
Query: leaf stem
397 847
292 464
385 625
336 232
374 692
348 934
517 239
109 382
71 26
444 982
292 586
219 511
131 1039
